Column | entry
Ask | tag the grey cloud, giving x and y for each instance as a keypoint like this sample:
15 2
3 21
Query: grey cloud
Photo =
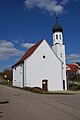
47 5
8 50
51 6
73 58
27 45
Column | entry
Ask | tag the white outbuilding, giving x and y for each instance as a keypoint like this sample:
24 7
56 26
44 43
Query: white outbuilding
43 66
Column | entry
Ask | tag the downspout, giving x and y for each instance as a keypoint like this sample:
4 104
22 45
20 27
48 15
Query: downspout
62 72
23 74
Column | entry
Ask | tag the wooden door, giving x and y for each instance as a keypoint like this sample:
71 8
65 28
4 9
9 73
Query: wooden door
45 85
64 84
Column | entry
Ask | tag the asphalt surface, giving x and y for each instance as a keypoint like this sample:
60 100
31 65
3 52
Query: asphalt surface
16 104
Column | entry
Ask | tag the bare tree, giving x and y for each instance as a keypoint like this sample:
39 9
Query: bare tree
7 74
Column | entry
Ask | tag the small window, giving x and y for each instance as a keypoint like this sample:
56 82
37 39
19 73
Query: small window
60 37
56 36
61 54
44 56
64 84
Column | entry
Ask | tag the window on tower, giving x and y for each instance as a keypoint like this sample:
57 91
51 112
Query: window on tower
60 37
56 36
61 54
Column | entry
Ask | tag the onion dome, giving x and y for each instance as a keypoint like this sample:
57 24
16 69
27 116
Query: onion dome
57 27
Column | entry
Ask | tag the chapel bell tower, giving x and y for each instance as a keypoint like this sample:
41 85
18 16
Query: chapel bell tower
59 48
57 33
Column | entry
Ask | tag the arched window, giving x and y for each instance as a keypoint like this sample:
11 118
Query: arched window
60 37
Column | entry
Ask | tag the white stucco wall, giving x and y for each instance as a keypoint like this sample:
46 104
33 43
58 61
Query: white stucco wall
60 38
59 49
18 76
36 68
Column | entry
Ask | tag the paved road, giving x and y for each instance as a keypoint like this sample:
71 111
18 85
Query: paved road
16 104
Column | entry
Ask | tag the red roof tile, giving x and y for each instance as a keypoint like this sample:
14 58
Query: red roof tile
71 70
28 53
73 67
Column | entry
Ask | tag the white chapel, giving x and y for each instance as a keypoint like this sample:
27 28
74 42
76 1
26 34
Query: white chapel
42 66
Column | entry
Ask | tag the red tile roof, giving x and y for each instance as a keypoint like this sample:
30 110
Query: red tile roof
73 67
28 53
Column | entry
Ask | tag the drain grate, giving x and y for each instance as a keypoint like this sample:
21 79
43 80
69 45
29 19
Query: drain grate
4 102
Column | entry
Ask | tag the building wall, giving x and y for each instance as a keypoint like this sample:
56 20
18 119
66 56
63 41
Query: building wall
59 38
59 49
43 64
18 76
78 71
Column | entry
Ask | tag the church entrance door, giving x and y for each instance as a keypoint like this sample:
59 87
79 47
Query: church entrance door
64 84
45 85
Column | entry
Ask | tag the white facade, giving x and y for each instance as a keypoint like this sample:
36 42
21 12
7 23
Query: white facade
57 38
38 68
59 50
43 66
18 75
